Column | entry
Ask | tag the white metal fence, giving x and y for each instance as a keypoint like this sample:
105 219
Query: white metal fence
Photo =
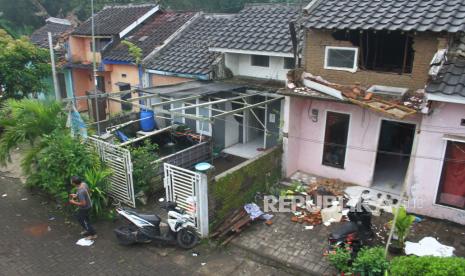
189 190
119 160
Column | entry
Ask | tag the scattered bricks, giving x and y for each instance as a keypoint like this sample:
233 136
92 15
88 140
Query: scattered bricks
269 222
368 96
294 219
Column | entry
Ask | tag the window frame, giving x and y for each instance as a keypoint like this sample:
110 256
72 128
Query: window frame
183 111
284 63
263 56
355 63
347 142
198 122
440 177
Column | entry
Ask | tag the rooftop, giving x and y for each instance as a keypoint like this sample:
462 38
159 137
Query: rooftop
393 15
188 53
56 26
451 79
112 20
149 35
259 28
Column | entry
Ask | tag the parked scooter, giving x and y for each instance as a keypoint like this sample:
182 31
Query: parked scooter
355 233
145 228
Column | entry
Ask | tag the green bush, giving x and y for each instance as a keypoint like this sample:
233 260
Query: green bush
144 170
427 266
370 262
340 259
59 157
97 181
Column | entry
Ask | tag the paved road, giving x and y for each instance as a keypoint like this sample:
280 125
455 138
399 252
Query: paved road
32 244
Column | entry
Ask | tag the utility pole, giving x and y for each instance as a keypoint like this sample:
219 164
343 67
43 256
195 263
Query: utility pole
94 64
54 73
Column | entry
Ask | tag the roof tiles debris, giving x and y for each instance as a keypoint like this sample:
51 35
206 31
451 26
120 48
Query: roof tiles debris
188 53
451 79
259 28
151 34
393 15
111 20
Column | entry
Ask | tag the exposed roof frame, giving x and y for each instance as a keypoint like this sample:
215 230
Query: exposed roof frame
232 112
214 102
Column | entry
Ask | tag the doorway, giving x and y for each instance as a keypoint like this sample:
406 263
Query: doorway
393 157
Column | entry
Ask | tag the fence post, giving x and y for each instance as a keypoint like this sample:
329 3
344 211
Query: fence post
202 200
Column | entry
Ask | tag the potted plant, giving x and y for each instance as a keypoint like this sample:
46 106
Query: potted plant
403 223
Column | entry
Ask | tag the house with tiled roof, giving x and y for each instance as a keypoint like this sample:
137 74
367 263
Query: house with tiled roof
150 37
112 24
60 30
379 100
187 57
257 42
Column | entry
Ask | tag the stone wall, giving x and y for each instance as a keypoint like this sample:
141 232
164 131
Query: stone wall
239 185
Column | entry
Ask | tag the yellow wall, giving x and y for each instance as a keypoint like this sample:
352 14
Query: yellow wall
116 72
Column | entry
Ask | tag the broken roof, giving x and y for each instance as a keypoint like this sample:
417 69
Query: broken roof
259 28
393 15
56 26
149 35
188 53
450 80
112 20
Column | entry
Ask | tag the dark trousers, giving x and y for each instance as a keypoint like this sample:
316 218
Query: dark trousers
84 221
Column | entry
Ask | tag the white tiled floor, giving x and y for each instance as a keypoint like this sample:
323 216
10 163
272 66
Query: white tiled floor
248 150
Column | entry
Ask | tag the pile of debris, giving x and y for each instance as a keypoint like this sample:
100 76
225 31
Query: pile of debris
232 226
315 210
238 221
398 107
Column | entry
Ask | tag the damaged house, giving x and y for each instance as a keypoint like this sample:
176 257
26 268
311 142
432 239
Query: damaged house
379 100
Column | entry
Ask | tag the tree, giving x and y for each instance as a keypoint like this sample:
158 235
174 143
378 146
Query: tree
23 67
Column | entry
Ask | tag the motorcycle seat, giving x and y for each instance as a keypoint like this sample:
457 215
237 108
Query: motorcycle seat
154 219
343 230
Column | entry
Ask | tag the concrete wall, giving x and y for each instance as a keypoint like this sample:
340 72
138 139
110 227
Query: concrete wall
425 46
304 144
82 82
240 65
81 50
445 119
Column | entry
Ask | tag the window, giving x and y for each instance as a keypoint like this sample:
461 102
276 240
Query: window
451 190
204 127
262 61
381 51
341 58
100 43
178 119
336 133
289 63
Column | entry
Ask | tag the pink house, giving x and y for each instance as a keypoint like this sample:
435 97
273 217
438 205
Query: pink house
416 135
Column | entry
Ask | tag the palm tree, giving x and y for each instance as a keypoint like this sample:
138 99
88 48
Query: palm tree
27 120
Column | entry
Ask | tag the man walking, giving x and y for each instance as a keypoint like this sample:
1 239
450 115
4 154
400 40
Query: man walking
84 203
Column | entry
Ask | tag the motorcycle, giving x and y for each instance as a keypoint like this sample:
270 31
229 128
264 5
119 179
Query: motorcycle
145 228
355 233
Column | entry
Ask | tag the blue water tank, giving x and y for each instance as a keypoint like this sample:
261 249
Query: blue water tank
147 120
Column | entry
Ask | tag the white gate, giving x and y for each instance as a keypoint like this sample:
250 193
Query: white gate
119 161
189 190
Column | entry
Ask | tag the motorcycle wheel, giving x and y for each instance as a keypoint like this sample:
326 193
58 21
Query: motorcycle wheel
124 235
187 238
